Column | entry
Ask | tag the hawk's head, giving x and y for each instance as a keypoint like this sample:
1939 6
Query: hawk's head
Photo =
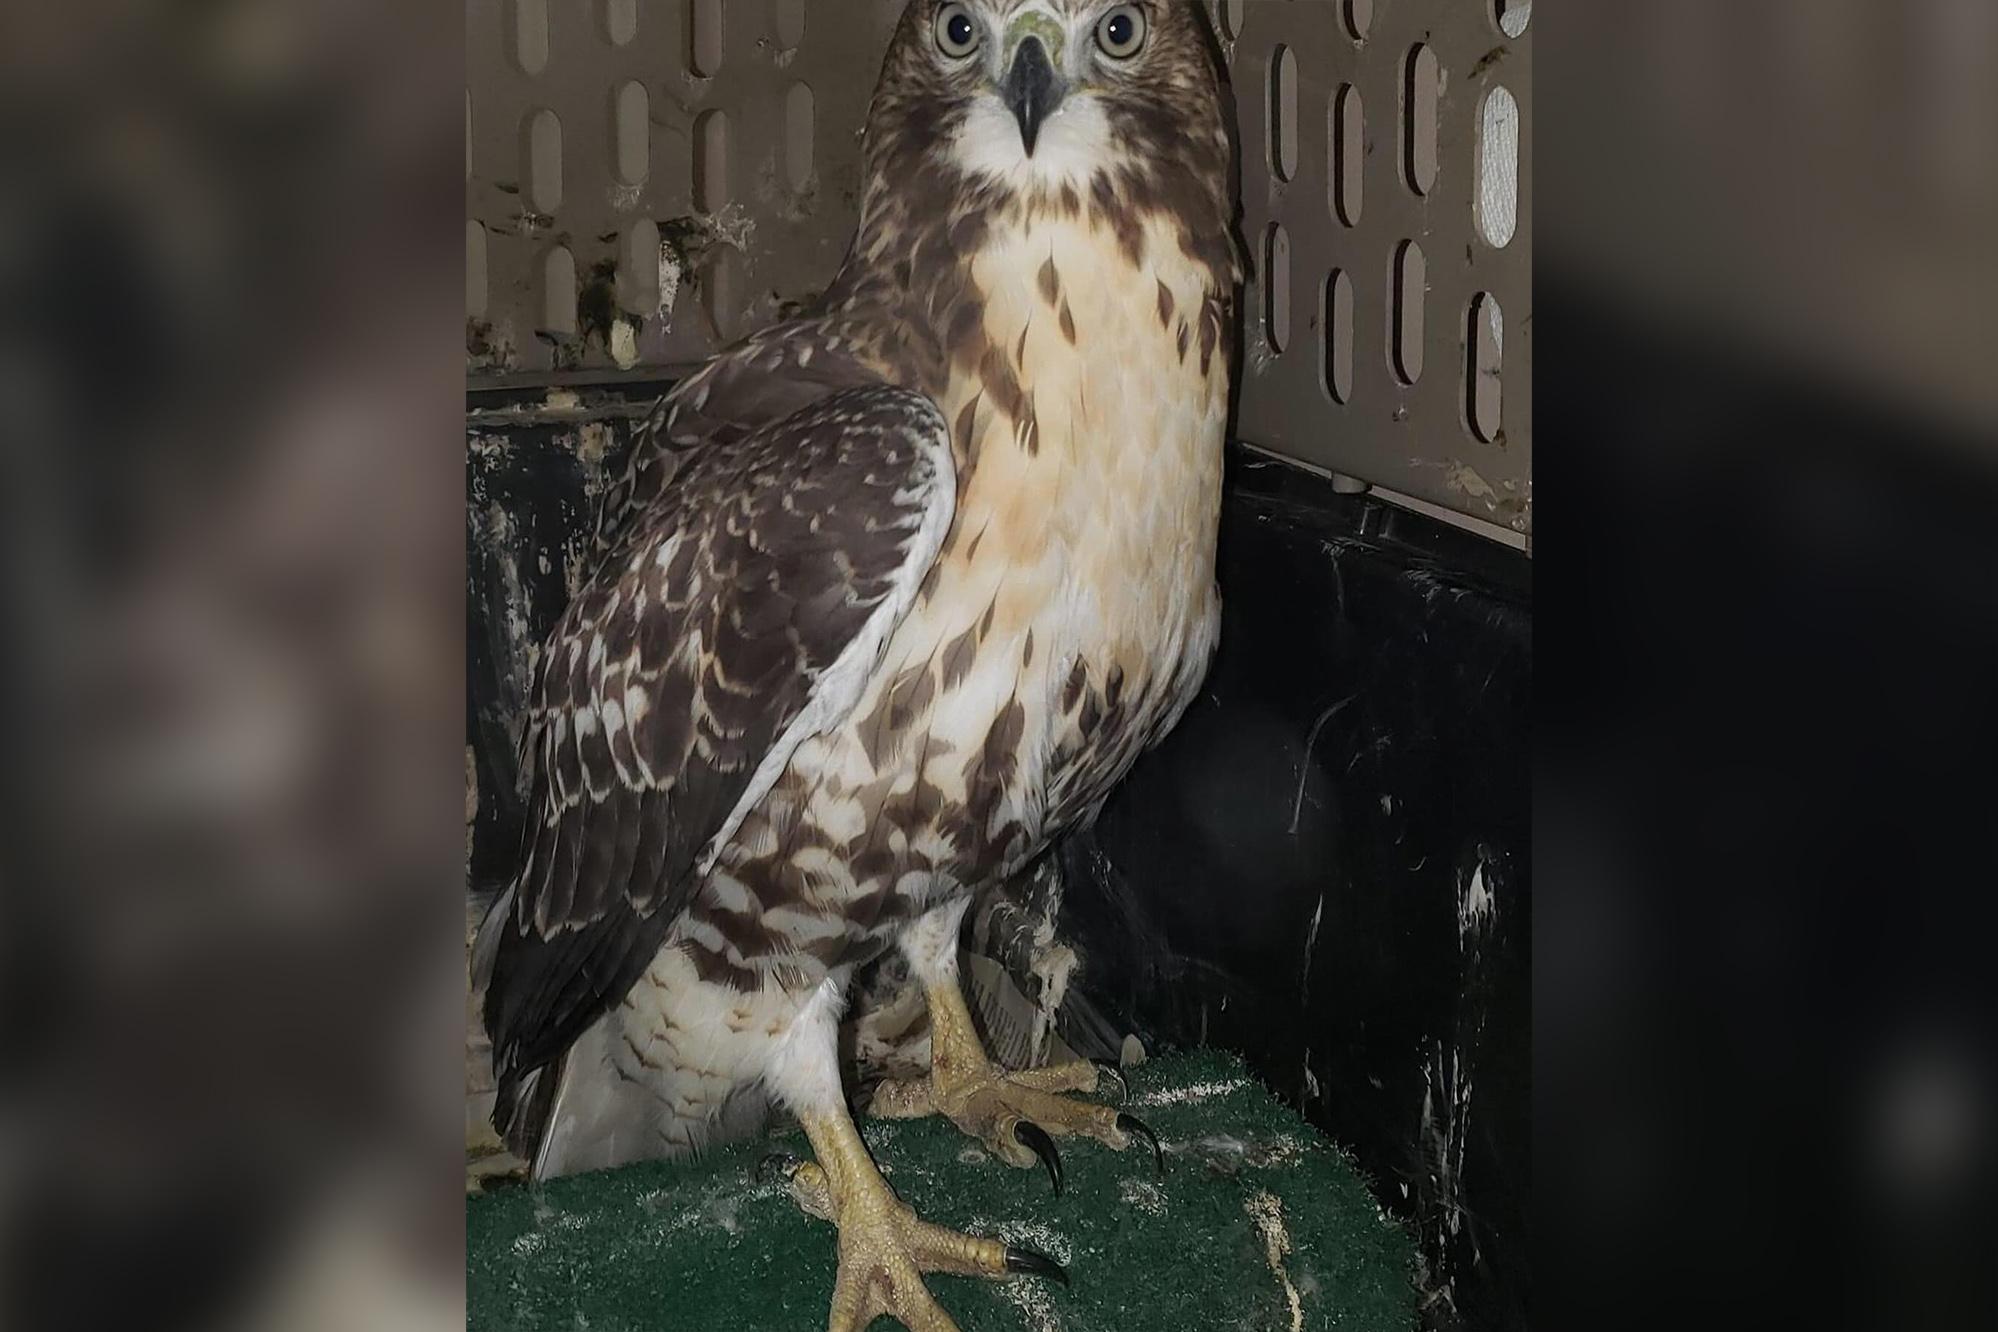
1029 96
994 115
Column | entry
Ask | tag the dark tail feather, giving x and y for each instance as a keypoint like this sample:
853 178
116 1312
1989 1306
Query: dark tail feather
522 1099
521 1108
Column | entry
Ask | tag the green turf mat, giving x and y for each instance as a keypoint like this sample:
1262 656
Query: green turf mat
1260 1224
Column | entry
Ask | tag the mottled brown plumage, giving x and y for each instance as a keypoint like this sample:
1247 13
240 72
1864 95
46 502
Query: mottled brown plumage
892 595
673 673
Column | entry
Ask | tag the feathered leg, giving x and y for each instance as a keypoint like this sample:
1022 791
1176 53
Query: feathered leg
884 1247
1016 1115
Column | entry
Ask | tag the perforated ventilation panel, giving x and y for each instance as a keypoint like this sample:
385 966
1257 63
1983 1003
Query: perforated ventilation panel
1386 183
647 180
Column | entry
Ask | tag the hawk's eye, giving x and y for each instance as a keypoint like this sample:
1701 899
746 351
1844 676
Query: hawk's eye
1121 34
957 35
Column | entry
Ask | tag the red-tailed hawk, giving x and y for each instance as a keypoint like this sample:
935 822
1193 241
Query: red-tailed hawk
892 596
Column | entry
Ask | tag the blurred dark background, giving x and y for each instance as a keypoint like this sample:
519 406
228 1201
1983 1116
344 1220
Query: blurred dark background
1764 711
1328 865
231 404
230 594
1764 1025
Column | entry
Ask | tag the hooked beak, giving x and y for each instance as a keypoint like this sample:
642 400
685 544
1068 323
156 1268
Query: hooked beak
1032 89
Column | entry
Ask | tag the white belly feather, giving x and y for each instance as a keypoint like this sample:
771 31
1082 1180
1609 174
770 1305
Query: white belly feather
1098 542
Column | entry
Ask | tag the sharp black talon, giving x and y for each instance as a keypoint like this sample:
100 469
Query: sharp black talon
1033 1262
1035 1139
1108 1069
1133 1124
790 1164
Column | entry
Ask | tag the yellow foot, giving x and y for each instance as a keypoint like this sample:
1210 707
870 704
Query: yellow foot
1016 1115
884 1249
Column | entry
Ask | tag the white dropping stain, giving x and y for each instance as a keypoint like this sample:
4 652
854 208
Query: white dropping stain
624 343
972 1156
1475 906
724 1216
1035 1304
669 282
1267 1213
718 1208
593 441
1310 951
529 1244
1230 1154
734 226
1194 1093
1465 480
1142 1194
1445 1136
1280 1150
524 653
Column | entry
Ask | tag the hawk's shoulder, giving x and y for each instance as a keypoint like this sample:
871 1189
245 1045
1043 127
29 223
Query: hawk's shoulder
752 386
